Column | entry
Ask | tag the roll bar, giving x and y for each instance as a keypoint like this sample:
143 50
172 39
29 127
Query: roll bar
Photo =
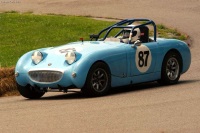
126 22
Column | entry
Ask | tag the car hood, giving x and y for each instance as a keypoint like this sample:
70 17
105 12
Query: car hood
85 47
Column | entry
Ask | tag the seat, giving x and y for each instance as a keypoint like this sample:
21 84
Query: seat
144 34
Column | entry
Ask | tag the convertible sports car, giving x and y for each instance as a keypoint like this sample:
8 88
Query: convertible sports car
120 54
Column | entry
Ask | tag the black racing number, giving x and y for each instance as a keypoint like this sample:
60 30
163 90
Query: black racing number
143 58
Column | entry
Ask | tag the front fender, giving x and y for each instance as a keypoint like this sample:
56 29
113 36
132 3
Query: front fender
22 67
82 67
116 61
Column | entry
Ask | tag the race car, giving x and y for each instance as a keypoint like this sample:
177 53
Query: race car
121 54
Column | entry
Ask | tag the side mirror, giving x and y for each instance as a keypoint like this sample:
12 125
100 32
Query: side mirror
137 43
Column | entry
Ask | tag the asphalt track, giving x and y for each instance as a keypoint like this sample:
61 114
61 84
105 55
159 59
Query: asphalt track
147 108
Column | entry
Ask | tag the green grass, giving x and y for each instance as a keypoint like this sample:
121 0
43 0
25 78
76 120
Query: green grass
165 32
20 33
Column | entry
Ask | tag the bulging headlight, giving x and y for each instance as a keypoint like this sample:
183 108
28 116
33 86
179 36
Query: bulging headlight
70 57
37 57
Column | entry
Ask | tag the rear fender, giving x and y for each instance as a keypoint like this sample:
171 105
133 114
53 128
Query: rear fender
178 46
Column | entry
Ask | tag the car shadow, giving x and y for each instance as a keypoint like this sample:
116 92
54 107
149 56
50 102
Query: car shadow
145 86
114 91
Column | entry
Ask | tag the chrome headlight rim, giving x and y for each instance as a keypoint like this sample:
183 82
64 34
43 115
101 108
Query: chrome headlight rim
37 57
70 57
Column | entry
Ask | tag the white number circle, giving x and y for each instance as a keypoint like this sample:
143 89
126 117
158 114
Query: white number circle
143 58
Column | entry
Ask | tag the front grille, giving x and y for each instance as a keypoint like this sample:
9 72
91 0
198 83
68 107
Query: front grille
45 76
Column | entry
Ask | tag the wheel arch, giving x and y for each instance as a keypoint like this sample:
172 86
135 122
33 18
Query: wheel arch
82 70
102 62
175 51
90 91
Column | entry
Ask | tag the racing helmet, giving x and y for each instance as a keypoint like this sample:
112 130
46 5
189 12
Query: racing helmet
135 35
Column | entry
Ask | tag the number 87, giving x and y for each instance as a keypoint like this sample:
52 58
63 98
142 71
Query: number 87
143 60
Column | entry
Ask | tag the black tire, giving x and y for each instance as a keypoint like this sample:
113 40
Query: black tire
30 92
98 80
171 68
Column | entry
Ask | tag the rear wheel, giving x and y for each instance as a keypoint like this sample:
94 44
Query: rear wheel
30 92
171 68
98 80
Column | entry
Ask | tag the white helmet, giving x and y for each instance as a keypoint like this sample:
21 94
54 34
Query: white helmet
134 37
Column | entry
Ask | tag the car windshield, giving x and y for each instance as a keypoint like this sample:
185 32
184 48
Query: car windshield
121 36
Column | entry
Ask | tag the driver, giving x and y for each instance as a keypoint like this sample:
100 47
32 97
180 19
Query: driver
134 37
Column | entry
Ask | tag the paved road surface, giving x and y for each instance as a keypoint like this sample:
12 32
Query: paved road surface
148 109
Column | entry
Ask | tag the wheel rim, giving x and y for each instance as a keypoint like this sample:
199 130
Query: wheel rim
99 80
172 68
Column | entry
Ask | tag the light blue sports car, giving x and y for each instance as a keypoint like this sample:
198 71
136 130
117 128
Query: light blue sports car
121 54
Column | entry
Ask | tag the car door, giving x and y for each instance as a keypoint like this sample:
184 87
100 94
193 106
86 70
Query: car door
143 58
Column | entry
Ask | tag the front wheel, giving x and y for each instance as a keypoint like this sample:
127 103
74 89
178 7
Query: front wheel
30 92
98 80
171 68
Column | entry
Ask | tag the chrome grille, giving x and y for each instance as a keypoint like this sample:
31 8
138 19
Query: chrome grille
45 76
